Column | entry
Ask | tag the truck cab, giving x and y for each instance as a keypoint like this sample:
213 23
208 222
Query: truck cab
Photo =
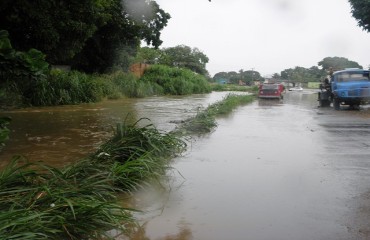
350 87
347 87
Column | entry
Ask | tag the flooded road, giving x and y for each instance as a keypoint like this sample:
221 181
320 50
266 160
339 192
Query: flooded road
271 170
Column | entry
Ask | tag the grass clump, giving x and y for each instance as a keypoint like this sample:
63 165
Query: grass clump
139 154
41 202
205 121
233 87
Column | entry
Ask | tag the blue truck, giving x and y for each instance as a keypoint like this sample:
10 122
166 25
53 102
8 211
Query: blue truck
346 87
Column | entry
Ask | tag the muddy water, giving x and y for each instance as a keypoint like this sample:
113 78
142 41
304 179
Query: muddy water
271 170
61 135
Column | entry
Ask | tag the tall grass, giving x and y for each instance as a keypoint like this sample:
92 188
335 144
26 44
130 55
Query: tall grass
233 87
140 154
176 81
205 121
41 202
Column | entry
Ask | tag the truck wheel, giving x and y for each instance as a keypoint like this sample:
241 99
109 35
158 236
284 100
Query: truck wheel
324 103
336 104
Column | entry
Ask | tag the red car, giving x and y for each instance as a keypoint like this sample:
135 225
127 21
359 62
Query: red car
269 90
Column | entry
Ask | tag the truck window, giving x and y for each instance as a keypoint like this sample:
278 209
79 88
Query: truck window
349 77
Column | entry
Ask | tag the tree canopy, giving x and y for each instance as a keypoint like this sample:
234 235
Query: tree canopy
338 63
361 12
92 35
181 56
186 57
246 77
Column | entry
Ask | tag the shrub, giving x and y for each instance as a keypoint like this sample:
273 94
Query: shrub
176 81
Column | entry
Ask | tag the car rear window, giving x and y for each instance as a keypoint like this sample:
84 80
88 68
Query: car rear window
270 86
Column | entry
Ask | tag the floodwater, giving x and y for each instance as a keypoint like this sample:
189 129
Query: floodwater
64 134
271 170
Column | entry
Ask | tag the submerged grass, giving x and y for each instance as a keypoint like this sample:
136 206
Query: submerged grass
205 121
79 201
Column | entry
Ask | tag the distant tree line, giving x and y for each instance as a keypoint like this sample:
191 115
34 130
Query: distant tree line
247 77
296 74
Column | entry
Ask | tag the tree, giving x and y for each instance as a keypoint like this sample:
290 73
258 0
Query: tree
360 11
92 35
186 57
301 74
337 63
148 55
233 77
57 28
116 43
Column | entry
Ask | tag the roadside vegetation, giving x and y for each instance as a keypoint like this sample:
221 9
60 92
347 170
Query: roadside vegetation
233 87
80 201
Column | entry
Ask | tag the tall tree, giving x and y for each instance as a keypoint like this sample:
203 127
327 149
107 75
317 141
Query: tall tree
95 34
186 57
361 12
115 44
57 28
337 63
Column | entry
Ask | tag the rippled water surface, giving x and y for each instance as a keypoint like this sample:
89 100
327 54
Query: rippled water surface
64 134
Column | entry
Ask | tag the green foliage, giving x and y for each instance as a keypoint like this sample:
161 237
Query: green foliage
247 77
20 72
185 57
41 202
59 29
360 11
90 35
67 88
4 131
301 74
139 154
337 63
205 121
176 81
233 87
148 55
130 86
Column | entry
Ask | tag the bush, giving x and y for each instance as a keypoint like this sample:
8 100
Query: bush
176 81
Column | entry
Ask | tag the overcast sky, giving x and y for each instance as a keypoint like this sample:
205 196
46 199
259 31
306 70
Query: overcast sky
266 35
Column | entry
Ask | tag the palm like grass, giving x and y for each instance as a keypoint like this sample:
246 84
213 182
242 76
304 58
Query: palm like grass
139 154
59 204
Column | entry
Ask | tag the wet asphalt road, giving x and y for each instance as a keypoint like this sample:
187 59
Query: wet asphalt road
271 170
